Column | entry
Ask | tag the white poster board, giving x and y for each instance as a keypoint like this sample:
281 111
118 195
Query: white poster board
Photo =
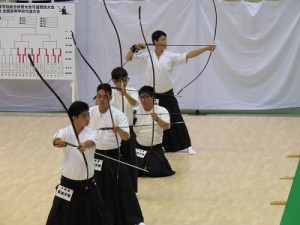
42 30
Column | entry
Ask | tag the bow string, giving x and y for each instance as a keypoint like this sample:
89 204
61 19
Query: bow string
120 47
67 111
121 63
99 79
153 78
208 59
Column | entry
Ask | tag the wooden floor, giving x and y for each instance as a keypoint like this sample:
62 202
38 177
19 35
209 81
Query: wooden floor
230 181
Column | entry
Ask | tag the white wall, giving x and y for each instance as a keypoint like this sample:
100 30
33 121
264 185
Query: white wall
255 65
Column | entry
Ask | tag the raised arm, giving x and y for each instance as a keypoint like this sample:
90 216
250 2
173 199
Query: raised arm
134 49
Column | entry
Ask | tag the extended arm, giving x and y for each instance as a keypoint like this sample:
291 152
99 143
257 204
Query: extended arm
199 51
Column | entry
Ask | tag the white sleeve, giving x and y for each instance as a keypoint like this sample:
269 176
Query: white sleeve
93 136
62 133
140 58
165 116
178 58
123 122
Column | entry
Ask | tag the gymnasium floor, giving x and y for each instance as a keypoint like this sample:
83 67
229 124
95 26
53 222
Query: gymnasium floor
231 180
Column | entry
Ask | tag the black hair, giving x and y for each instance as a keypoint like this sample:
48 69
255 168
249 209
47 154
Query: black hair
147 89
118 73
157 34
105 87
78 107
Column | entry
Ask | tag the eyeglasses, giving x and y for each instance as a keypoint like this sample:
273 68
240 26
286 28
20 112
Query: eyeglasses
144 96
125 79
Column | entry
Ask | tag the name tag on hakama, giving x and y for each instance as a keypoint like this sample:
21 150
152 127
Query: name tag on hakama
140 153
64 193
98 164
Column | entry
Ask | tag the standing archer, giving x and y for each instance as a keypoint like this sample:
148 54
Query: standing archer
177 137
77 199
125 99
112 177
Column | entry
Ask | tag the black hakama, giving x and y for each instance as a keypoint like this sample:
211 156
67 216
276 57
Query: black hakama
154 161
117 190
85 207
129 156
177 137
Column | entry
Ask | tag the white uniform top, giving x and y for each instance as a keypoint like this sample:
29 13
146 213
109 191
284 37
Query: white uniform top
99 120
116 102
144 133
163 68
73 165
